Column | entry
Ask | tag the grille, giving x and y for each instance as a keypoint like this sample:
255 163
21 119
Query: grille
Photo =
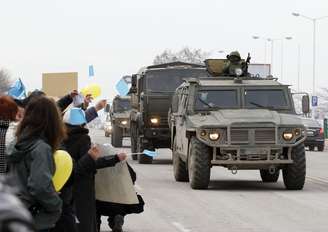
239 136
250 135
163 121
265 135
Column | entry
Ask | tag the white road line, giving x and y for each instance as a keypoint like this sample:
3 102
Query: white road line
138 188
318 179
180 227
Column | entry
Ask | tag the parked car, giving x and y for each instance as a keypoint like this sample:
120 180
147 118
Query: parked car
315 134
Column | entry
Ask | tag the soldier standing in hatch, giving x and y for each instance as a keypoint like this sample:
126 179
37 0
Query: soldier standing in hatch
234 61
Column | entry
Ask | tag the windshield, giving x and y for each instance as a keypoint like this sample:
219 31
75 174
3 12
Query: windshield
167 80
208 99
122 105
268 98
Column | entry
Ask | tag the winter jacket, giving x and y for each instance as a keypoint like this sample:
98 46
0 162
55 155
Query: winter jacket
32 163
4 125
77 145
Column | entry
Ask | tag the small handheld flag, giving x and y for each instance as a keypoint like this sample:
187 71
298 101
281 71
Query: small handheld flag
122 87
18 90
150 153
91 71
145 152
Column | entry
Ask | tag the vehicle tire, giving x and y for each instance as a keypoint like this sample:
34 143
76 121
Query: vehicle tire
321 147
134 138
294 174
143 159
269 178
199 164
106 134
311 148
117 136
179 166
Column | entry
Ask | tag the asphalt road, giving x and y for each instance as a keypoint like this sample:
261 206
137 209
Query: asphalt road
238 203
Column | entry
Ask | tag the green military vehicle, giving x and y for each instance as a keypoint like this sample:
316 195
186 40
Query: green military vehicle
238 122
120 119
151 95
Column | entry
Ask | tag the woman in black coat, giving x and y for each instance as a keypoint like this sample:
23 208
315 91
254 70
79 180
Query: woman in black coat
87 161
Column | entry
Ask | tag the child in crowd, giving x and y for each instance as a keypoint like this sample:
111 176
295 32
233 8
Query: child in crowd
87 161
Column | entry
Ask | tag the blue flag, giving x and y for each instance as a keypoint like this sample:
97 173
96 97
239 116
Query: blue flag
122 88
18 90
91 71
149 153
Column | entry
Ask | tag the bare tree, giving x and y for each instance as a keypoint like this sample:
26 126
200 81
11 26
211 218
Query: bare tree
5 81
186 54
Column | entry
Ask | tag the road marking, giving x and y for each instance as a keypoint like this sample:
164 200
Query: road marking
318 179
138 188
180 227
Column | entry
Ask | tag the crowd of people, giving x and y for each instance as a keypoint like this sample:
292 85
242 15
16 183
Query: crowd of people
40 126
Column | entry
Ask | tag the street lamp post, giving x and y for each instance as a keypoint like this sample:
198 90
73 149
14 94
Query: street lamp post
314 21
271 40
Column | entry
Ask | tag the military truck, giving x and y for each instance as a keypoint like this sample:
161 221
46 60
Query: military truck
151 94
120 119
237 122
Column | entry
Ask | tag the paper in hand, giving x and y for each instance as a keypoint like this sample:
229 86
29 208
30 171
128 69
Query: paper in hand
78 100
106 149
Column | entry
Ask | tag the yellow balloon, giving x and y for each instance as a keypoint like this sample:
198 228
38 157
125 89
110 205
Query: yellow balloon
93 89
64 167
84 91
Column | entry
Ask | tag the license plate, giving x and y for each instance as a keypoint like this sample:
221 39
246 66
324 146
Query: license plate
310 133
251 151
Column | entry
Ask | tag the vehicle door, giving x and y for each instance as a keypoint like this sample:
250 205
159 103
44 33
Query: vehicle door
182 141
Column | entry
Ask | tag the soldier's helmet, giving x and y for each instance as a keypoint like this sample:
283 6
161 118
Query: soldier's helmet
234 56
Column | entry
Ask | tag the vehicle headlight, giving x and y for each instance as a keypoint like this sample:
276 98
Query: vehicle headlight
154 120
124 122
288 135
238 72
214 136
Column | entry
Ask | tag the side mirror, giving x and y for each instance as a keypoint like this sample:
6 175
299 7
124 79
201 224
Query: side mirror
134 80
305 104
107 108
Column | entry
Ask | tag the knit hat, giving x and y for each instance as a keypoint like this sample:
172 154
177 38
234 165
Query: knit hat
75 116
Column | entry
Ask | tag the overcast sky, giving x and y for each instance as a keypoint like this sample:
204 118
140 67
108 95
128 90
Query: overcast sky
118 37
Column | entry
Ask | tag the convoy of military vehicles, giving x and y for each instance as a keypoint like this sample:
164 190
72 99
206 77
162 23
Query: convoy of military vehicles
217 114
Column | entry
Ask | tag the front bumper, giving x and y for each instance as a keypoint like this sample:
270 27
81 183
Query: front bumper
157 133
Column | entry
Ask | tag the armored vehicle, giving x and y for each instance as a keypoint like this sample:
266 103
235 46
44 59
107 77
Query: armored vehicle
120 119
237 122
151 95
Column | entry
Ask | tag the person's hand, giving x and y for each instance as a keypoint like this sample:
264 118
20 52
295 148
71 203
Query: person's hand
74 93
87 100
101 105
122 156
94 153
